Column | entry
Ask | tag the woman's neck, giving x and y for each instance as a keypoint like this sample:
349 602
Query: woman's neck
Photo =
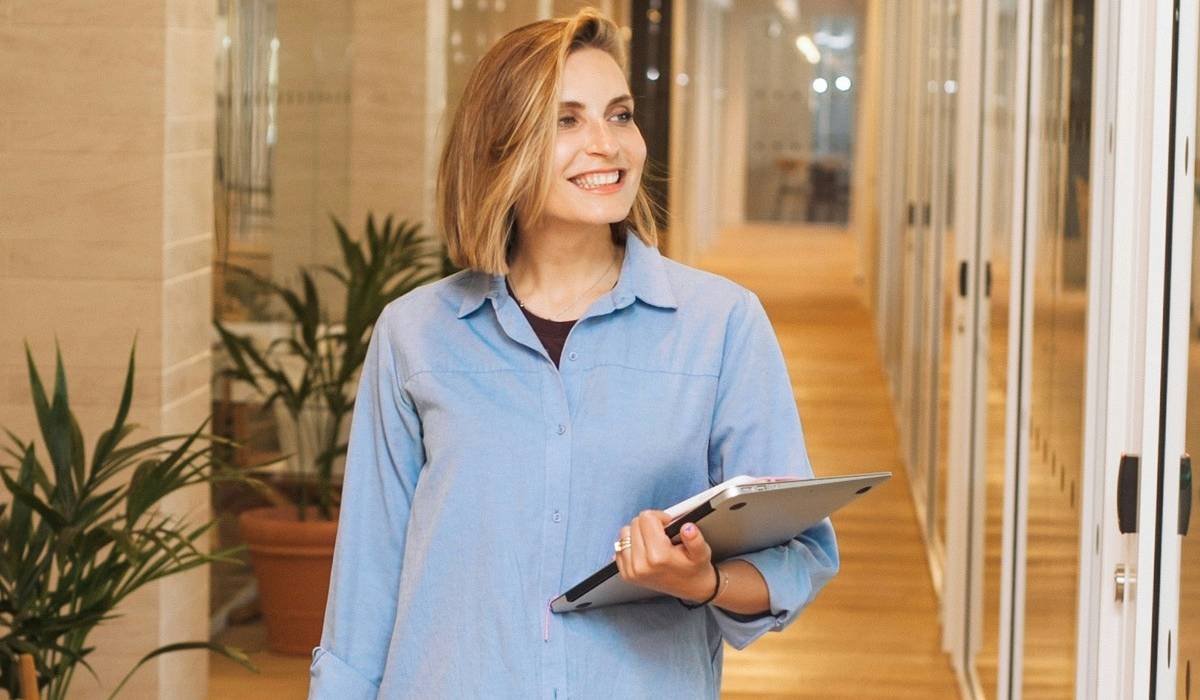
552 267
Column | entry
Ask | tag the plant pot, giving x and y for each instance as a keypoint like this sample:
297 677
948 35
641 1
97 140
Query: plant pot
292 560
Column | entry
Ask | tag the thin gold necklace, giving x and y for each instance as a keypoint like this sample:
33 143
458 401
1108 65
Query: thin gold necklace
573 303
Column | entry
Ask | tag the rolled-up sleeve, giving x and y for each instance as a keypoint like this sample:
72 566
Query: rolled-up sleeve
756 430
383 462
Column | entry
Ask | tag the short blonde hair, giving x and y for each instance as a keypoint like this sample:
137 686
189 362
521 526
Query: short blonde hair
498 155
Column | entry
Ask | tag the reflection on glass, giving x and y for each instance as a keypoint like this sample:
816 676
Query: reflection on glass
1189 565
1059 348
944 80
996 205
472 26
913 370
282 151
802 69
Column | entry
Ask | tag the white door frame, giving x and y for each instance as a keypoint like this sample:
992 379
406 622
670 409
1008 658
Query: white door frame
1016 440
1105 324
968 402
1129 661
1178 161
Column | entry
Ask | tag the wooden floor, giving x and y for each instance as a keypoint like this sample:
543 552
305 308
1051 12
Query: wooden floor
873 633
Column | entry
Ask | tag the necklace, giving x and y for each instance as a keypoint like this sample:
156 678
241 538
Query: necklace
573 303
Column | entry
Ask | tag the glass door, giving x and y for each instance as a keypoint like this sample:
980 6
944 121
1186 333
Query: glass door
1187 686
1179 545
1057 239
999 135
944 318
930 269
913 312
1130 639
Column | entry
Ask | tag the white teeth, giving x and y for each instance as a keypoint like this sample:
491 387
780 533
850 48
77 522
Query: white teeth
592 180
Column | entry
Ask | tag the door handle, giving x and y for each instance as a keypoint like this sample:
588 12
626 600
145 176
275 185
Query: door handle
1127 494
1185 494
1123 579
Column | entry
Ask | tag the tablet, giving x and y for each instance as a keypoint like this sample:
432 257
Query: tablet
738 516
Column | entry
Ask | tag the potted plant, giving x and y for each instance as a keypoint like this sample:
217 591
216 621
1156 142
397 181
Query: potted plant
312 373
78 537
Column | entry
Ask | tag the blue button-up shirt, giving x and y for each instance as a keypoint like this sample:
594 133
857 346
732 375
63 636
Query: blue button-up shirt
482 481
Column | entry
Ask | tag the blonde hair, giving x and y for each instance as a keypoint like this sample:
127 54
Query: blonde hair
498 155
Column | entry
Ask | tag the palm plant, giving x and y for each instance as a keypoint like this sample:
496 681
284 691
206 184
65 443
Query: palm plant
387 263
77 538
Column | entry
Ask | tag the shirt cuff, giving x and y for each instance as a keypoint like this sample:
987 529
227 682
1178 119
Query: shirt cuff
333 679
740 630
794 573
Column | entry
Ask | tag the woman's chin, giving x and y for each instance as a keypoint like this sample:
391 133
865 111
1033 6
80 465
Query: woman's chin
593 218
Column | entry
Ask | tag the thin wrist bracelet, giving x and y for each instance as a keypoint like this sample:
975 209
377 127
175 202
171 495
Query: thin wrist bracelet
712 597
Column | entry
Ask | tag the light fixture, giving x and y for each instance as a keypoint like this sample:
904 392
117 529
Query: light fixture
652 73
790 9
820 85
842 83
805 45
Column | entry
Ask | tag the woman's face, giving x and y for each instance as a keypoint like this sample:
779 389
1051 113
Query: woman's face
598 150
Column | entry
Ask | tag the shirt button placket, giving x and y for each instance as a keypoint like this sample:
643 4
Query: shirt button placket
558 477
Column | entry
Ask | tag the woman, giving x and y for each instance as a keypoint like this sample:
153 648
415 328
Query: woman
484 478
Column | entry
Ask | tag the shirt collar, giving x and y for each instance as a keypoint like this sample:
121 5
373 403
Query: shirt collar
643 276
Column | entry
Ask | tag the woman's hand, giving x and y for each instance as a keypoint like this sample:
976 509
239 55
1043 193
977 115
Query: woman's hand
652 561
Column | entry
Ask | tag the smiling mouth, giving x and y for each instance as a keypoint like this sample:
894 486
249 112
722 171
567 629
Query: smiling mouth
599 181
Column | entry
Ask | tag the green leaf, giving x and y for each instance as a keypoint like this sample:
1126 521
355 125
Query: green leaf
28 498
232 653
113 435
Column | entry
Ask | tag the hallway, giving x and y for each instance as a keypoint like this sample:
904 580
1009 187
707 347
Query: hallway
873 633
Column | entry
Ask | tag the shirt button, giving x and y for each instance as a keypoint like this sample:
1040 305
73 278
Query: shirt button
572 356
557 516
561 428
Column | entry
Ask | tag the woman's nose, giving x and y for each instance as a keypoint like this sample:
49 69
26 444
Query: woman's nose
601 140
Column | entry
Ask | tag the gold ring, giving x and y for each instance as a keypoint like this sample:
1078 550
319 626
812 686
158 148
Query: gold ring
622 544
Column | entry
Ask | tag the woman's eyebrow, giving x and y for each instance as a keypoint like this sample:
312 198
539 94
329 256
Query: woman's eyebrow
579 105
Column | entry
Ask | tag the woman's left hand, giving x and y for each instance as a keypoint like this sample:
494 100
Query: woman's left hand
652 561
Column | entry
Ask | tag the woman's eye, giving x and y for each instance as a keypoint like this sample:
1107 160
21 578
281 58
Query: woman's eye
566 121
625 117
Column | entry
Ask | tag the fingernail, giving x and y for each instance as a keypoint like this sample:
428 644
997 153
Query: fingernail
689 529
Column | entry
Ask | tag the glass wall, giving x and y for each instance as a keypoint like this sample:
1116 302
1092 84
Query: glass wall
1189 564
1059 241
996 205
945 320
800 60
283 154
919 359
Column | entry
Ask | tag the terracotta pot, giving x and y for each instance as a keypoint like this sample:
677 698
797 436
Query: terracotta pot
292 560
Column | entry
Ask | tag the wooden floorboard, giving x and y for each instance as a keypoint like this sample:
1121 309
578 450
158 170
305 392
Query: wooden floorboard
873 633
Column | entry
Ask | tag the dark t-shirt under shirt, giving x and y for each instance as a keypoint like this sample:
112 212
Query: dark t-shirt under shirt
553 334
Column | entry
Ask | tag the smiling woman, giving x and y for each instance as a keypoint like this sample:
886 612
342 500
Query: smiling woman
482 476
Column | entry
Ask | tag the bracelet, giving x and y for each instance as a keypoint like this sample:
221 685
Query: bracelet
712 597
